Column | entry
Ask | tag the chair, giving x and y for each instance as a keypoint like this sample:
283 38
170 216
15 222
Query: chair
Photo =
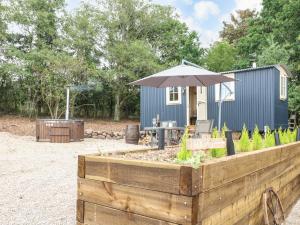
203 127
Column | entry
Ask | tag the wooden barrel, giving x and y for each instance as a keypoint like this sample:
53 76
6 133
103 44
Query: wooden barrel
132 134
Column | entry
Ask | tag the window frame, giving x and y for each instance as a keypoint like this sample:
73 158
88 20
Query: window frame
283 86
217 89
168 94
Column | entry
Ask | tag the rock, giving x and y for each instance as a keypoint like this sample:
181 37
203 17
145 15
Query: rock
89 131
102 137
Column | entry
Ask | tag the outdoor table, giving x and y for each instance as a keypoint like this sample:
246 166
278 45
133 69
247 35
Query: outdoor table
173 134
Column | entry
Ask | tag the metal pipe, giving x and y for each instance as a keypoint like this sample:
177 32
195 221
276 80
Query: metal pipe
68 103
220 108
190 63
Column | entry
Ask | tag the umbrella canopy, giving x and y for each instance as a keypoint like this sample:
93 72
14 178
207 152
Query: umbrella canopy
183 75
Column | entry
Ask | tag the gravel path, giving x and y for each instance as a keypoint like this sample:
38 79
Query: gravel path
38 180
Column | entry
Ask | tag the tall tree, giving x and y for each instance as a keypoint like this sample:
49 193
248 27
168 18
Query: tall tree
238 25
140 36
220 57
273 53
44 68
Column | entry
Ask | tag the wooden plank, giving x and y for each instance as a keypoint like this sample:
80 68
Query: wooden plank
157 176
230 168
186 181
158 205
101 215
81 166
218 198
205 143
80 211
244 207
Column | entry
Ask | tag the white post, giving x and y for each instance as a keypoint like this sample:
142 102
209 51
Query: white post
220 108
68 102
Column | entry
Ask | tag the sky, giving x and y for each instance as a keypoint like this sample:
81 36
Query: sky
203 16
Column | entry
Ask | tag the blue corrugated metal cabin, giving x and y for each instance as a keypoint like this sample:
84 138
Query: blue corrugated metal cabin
259 97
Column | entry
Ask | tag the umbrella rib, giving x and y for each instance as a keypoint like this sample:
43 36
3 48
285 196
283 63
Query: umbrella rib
163 82
201 81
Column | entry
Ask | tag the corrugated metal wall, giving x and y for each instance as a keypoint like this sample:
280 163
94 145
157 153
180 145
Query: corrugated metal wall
254 100
281 107
153 102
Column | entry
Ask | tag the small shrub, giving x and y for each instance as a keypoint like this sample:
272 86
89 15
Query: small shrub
215 133
224 129
184 154
244 142
218 152
269 139
294 134
257 142
196 159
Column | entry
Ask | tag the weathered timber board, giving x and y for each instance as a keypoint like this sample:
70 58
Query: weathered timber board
101 215
246 207
164 177
154 204
218 198
234 167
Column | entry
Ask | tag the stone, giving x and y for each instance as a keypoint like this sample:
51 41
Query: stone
88 131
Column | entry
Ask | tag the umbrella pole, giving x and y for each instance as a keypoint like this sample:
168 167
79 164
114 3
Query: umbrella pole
220 108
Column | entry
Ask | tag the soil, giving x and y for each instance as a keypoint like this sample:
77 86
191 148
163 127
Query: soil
24 126
167 155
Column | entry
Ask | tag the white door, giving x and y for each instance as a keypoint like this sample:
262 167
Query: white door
201 103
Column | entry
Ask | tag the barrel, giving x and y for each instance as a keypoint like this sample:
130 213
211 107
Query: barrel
132 134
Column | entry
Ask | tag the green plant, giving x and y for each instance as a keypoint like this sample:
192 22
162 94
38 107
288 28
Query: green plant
215 133
291 135
196 159
184 154
244 142
257 142
224 129
269 139
218 152
294 134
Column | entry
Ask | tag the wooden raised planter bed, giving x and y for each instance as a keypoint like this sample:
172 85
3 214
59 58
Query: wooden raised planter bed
226 191
59 130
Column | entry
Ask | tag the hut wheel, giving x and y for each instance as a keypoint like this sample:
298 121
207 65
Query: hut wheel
273 211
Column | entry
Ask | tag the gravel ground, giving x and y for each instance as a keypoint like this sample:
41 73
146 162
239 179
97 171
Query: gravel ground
38 180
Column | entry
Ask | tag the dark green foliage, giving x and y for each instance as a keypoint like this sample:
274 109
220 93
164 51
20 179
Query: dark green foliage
90 47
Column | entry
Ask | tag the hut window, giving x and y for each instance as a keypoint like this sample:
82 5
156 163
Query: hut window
226 95
283 87
173 95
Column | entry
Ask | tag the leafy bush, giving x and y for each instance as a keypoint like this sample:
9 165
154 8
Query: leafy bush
257 142
184 154
244 142
269 139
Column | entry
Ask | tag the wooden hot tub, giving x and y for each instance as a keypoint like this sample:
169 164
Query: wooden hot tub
59 130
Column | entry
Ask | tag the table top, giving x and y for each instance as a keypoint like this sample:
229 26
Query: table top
166 128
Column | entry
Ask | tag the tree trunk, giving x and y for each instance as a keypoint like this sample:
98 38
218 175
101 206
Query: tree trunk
117 108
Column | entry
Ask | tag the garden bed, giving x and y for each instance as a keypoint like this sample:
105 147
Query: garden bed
118 191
